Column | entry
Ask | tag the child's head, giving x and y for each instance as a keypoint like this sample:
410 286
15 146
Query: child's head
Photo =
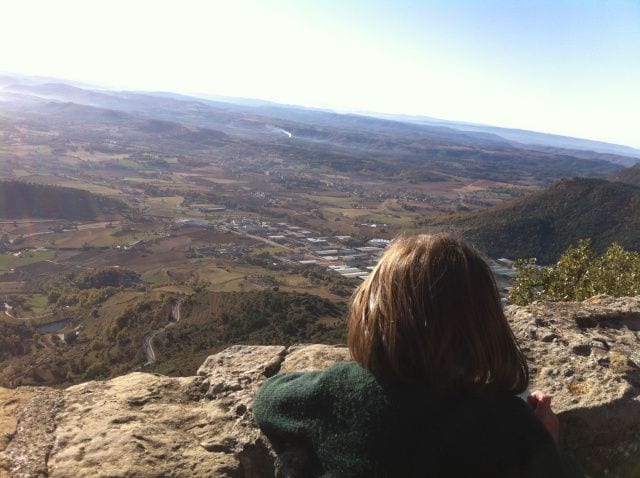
430 313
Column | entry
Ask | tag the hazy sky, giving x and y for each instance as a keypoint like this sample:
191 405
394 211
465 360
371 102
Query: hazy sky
568 67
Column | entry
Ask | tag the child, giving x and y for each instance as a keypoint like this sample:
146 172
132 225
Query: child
433 387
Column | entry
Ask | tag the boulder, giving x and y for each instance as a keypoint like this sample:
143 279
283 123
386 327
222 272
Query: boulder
585 354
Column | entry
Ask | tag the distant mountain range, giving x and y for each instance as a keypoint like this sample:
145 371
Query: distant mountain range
531 139
233 117
257 119
362 147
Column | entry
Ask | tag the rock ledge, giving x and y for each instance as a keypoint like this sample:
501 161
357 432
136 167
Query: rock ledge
585 354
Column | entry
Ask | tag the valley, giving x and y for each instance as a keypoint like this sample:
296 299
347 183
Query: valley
118 209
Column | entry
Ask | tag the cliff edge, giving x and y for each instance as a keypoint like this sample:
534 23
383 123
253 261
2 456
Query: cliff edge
145 425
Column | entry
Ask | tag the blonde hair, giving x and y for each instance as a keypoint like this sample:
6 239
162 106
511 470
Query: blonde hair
430 313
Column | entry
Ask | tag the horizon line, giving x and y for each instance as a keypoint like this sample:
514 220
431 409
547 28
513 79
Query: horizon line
397 116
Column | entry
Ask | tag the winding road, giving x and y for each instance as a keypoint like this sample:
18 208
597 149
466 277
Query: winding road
147 342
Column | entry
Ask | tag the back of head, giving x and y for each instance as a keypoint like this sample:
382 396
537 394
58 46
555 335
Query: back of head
430 313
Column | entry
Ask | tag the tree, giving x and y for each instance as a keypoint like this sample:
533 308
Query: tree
578 275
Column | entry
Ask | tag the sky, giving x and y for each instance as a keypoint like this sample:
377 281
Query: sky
569 67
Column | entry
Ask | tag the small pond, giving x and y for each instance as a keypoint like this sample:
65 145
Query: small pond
53 327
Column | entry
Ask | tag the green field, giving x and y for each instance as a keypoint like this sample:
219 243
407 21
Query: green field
38 303
113 240
345 202
274 250
219 276
9 261
91 187
157 278
102 237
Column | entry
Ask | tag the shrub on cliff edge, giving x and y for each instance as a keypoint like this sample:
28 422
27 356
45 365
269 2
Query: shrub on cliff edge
578 275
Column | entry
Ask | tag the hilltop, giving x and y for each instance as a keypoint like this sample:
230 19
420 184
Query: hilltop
544 223
19 200
629 175
585 354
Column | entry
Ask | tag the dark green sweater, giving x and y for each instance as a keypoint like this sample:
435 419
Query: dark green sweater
343 422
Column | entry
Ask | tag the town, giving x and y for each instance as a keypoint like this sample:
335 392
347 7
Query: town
345 255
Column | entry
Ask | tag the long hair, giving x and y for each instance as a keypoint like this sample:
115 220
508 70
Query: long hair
430 313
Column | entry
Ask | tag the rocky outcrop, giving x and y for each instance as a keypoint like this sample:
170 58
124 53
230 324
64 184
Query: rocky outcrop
145 425
587 355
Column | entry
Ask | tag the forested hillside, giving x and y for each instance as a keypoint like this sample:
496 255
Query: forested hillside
629 175
20 200
544 224
112 332
216 320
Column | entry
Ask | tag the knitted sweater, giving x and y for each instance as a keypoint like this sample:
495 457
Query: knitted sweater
344 422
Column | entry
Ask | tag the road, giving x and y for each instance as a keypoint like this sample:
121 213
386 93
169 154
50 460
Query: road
7 308
262 239
147 342
461 199
81 227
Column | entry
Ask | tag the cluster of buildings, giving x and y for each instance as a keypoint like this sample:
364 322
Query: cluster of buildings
344 255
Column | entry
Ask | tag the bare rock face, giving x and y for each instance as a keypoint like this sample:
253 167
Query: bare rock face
587 356
28 425
145 425
302 358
